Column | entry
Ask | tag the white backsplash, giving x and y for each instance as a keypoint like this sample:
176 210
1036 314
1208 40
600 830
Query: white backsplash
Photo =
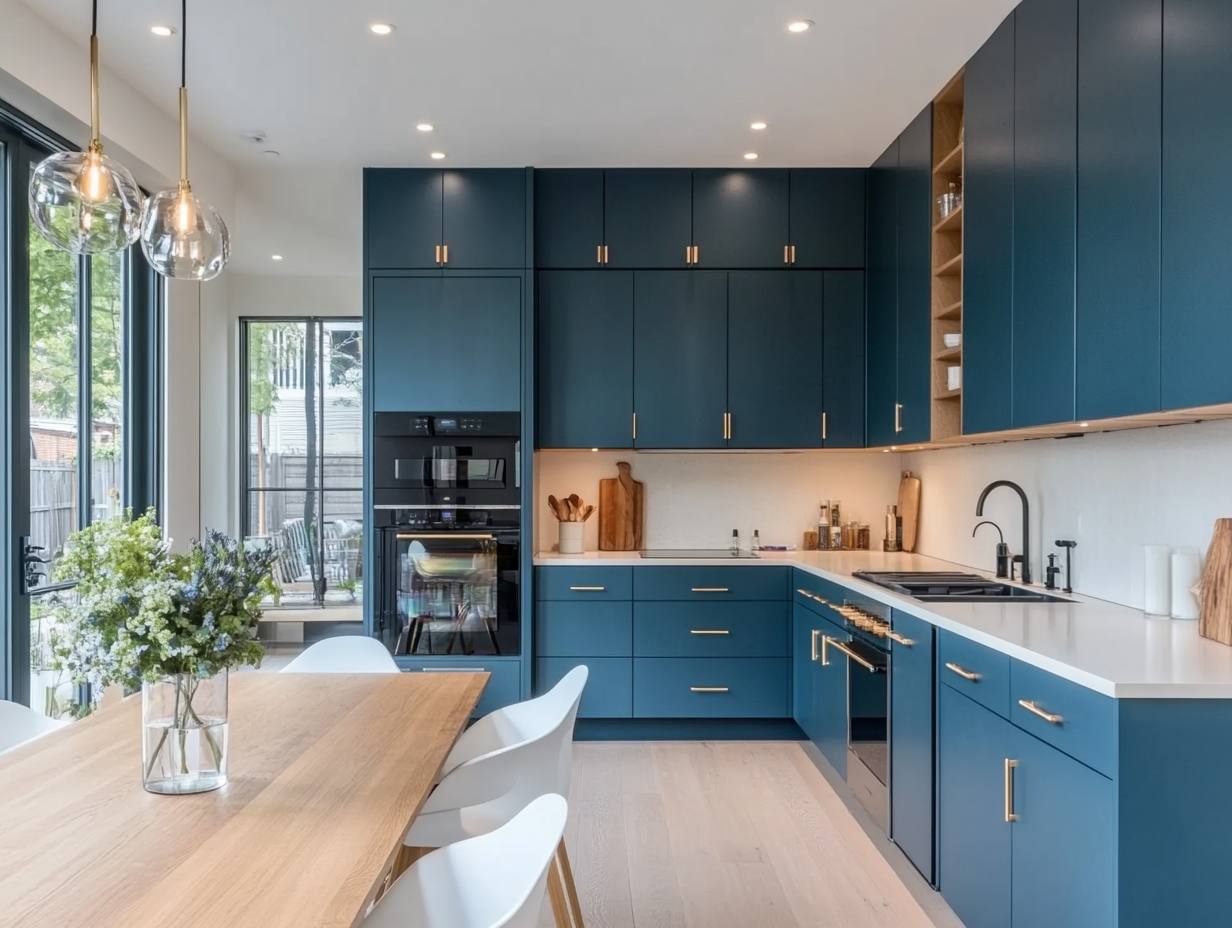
695 500
1113 493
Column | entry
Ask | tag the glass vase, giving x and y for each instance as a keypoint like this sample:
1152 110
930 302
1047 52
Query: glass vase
184 739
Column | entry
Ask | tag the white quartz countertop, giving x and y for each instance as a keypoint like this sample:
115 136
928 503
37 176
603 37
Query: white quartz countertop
1114 650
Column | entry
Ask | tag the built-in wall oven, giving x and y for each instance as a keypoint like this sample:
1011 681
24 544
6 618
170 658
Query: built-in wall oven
446 490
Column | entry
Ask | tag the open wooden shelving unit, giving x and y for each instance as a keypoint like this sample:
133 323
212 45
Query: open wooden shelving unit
947 258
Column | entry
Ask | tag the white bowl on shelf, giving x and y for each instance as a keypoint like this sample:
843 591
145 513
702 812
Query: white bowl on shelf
952 340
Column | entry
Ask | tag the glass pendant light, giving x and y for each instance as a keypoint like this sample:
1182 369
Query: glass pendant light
82 201
181 236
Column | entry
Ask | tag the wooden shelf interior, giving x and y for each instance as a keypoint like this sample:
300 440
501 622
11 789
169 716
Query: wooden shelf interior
949 354
947 260
951 163
949 395
951 268
951 223
949 313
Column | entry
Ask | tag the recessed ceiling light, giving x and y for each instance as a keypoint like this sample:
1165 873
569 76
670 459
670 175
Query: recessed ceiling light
750 156
163 30
382 28
1084 425
757 126
275 257
438 155
800 25
594 449
425 127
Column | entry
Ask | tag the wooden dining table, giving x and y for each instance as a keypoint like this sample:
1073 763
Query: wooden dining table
326 773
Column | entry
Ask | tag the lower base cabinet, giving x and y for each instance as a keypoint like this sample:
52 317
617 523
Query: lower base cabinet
819 699
711 687
609 688
912 713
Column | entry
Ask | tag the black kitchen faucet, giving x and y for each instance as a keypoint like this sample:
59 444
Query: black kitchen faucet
1025 557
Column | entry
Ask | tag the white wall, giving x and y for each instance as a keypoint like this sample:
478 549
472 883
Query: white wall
695 500
1112 493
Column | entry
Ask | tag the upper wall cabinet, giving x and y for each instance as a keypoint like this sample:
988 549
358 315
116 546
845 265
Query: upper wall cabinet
647 218
422 218
827 217
569 218
740 218
882 298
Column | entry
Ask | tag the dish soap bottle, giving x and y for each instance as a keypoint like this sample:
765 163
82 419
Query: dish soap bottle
755 544
735 542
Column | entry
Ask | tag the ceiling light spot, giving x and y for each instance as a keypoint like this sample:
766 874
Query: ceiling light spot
1084 425
425 127
438 155
382 28
750 156
800 25
275 257
757 126
163 30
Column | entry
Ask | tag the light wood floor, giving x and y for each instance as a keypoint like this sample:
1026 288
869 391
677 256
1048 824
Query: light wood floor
726 835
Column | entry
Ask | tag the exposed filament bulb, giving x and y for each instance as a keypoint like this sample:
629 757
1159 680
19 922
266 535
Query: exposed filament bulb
185 213
94 185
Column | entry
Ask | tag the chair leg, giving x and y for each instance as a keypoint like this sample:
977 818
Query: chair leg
556 895
562 856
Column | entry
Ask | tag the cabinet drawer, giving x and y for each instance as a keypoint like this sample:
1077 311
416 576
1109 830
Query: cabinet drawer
609 688
745 629
711 584
1082 724
504 683
711 687
582 629
815 593
979 672
585 583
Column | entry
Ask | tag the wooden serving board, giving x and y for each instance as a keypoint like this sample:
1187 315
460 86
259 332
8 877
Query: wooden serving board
1215 616
909 509
622 511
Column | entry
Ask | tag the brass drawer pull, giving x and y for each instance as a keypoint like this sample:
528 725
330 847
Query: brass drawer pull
708 689
965 674
866 664
710 589
709 631
814 596
1010 815
1030 706
905 642
588 589
816 632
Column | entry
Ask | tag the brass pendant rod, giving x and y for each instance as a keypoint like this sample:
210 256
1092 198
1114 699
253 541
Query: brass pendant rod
95 143
184 95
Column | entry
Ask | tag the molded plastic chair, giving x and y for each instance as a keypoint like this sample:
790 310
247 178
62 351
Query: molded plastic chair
19 724
346 654
496 880
505 761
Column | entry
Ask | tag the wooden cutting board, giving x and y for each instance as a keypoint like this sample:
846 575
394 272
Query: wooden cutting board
622 511
1215 617
909 510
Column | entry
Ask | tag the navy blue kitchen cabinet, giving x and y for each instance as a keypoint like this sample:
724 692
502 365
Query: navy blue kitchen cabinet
882 298
585 364
973 836
842 372
988 234
806 628
648 217
680 358
740 218
1120 134
446 343
413 214
830 697
776 348
827 217
569 218
912 714
1196 325
915 211
1045 182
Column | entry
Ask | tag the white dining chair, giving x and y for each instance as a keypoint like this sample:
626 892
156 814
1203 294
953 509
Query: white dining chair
514 863
19 724
345 654
506 760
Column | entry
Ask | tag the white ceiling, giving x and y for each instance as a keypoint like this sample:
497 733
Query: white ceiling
539 82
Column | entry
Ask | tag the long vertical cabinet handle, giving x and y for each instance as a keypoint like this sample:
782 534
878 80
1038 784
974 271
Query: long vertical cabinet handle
823 426
635 426
898 417
816 632
1010 815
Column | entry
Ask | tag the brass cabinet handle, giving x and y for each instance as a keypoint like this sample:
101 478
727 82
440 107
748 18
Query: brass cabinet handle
1030 706
787 254
709 631
1010 815
709 689
598 254
814 596
709 589
898 417
589 589
635 426
606 257
816 632
905 642
438 254
688 254
867 665
964 673
444 254
793 254
823 426
697 254
727 426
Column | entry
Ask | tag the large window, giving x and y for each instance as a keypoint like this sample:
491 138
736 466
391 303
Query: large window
303 468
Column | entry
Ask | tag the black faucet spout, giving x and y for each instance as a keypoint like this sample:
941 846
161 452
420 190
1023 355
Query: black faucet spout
1026 521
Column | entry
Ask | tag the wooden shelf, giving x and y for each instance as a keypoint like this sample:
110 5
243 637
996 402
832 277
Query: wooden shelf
949 394
951 268
951 163
952 222
949 354
953 312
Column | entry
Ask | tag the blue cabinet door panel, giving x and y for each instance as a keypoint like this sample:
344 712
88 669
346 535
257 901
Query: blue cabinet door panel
1120 51
1064 840
568 218
831 694
648 217
402 216
988 234
915 279
827 217
1045 181
573 629
1196 316
711 687
1085 723
775 342
585 364
882 296
680 358
584 583
447 343
911 741
727 629
740 218
842 372
484 218
609 688
973 837
805 628
711 584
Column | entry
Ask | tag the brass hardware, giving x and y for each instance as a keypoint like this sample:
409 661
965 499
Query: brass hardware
787 254
444 254
589 589
450 536
709 689
709 631
793 254
965 674
823 426
824 602
697 254
727 426
438 254
605 255
710 589
635 426
867 665
183 126
688 254
816 632
1010 816
1030 706
898 417
905 642
598 254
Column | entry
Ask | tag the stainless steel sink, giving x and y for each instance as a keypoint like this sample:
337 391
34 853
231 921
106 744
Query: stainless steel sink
953 587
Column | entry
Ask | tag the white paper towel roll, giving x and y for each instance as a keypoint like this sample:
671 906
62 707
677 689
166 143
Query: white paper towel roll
1157 588
1186 570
